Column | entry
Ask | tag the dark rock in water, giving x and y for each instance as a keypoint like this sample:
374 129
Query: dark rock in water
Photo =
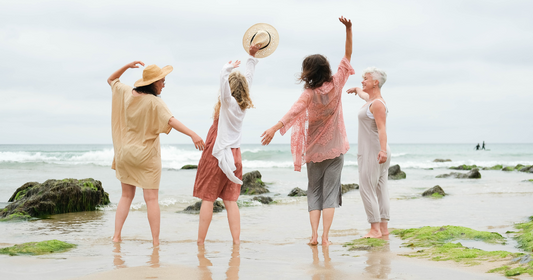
508 168
55 197
252 183
473 174
297 192
263 199
527 168
463 167
435 190
348 187
395 173
189 166
441 160
495 167
218 206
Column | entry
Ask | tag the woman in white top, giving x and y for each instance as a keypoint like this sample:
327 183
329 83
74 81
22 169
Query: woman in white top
220 167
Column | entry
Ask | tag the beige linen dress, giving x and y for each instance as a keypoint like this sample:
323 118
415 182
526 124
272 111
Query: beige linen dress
136 122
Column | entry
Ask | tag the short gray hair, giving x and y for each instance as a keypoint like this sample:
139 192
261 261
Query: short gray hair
377 74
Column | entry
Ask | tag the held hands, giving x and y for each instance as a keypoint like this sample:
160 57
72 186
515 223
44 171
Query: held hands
253 49
346 22
134 64
382 157
198 142
235 64
355 90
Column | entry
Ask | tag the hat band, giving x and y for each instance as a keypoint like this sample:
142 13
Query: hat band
269 40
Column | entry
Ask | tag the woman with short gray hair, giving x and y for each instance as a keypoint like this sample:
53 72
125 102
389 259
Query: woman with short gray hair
374 154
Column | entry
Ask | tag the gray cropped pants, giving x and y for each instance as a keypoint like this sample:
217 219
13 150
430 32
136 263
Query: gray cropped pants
324 184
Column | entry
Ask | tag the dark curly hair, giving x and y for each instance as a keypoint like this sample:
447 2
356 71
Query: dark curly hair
149 89
315 71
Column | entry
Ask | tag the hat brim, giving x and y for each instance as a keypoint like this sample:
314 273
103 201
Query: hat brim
164 72
274 39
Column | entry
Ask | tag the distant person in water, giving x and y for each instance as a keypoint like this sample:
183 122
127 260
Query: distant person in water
318 136
483 147
374 154
138 116
477 147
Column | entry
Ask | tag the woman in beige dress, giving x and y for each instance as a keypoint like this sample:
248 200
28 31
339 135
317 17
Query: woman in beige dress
138 116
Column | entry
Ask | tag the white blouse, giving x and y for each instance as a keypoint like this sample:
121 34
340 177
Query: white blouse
230 121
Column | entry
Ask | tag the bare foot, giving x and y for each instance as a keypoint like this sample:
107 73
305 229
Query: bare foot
236 242
383 226
200 242
326 242
313 241
117 239
156 243
373 234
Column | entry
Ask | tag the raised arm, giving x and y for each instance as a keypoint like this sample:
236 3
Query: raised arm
225 90
250 65
348 47
121 71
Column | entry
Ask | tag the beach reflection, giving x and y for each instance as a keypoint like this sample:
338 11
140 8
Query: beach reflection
154 258
325 270
234 264
118 262
379 262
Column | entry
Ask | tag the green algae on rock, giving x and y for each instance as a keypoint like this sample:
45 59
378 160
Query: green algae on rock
189 166
525 235
55 197
364 244
463 167
495 167
438 247
37 248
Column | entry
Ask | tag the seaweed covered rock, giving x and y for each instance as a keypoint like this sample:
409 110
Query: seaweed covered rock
37 248
435 191
252 183
464 167
473 174
218 206
508 168
55 197
189 166
348 187
297 192
495 167
441 160
263 199
395 173
527 168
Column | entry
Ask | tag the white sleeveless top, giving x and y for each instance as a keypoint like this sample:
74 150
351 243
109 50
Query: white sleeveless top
369 114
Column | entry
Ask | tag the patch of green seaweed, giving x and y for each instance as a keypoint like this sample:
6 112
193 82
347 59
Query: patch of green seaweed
437 195
525 235
37 248
365 244
437 245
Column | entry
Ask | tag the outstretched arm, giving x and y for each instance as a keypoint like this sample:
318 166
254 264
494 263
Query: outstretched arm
197 140
121 71
358 91
348 47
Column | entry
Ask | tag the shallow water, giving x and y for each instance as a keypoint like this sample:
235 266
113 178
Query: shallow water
273 236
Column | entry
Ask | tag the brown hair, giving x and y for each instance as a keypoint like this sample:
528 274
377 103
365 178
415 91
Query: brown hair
315 71
239 91
148 89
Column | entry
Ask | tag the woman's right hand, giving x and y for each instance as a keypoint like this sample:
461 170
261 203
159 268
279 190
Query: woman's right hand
268 135
354 90
198 142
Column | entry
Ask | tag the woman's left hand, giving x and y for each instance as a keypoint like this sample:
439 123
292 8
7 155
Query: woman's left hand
198 142
235 64
382 157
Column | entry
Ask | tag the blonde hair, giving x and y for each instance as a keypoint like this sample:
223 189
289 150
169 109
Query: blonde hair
239 90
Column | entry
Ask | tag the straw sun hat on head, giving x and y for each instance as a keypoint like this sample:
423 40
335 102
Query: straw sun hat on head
153 73
263 34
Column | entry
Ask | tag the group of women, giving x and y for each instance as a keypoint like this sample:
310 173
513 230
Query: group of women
318 139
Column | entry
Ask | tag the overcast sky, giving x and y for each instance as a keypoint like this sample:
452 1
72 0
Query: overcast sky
458 71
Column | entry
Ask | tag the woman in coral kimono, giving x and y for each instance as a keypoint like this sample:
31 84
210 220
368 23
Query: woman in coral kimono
318 134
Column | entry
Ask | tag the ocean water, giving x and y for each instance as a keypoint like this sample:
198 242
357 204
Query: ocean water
272 235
